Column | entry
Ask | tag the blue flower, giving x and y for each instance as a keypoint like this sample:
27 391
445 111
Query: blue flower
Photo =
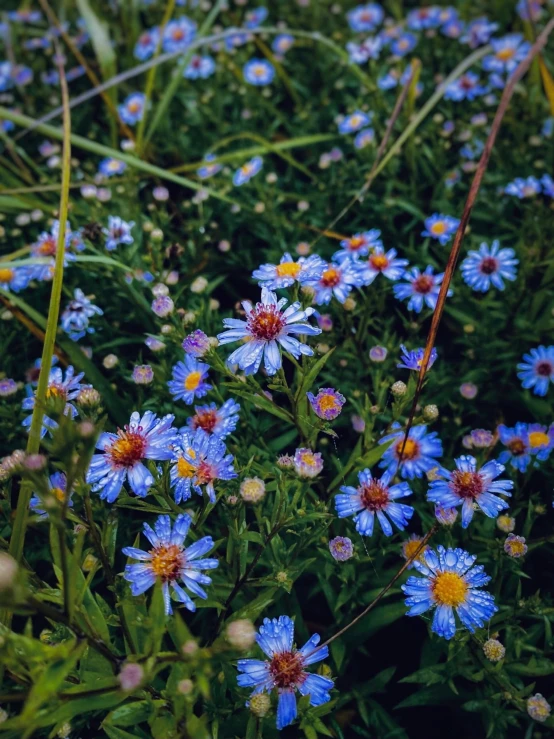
469 487
420 451
132 109
146 437
440 227
255 17
110 167
117 232
404 44
266 327
170 562
218 421
282 43
364 138
453 29
188 380
198 460
365 17
200 67
381 262
146 44
508 52
547 185
258 72
360 244
60 388
15 278
75 318
478 32
422 288
57 485
466 87
449 584
489 266
423 18
523 187
387 81
46 246
208 169
354 122
372 498
541 440
287 272
179 34
516 441
412 359
362 52
285 670
237 39
336 280
537 369
247 171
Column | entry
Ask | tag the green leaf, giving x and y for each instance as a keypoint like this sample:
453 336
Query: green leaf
261 402
115 733
257 606
369 459
129 714
157 619
100 39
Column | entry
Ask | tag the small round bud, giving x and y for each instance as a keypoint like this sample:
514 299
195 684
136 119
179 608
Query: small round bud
349 304
189 647
430 413
109 361
157 234
281 577
378 353
45 636
199 285
260 704
160 290
341 548
285 461
445 516
252 490
241 634
166 329
131 676
35 462
8 572
89 398
398 389
143 374
515 546
494 650
185 687
163 306
538 707
86 429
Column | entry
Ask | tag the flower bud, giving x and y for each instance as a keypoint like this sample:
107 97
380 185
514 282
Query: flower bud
131 676
398 389
241 634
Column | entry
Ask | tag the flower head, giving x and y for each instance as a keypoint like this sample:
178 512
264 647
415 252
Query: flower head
421 288
360 244
124 454
189 380
15 278
378 353
375 497
364 138
523 188
419 452
410 547
219 421
515 546
508 52
478 32
170 562
252 490
537 369
247 171
468 487
450 585
196 344
287 272
7 387
538 707
494 650
365 17
143 374
282 43
413 359
57 485
132 109
440 227
76 315
199 67
541 440
209 169
466 87
110 167
327 404
268 327
285 671
337 279
179 34
118 232
307 463
354 122
60 389
341 548
198 460
381 262
258 72
146 44
489 266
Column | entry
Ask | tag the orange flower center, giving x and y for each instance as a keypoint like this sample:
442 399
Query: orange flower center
59 494
538 438
375 496
204 473
328 402
286 669
411 449
47 248
355 243
505 54
128 449
288 269
53 392
193 380
449 589
167 561
330 278
6 275
265 322
467 484
184 467
438 228
206 420
378 261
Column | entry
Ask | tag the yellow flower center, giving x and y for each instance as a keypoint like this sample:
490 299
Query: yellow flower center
134 107
128 449
328 403
378 261
288 269
185 468
449 589
355 243
516 547
59 494
505 54
410 547
355 120
53 392
538 438
330 278
193 380
438 228
411 449
167 561
6 275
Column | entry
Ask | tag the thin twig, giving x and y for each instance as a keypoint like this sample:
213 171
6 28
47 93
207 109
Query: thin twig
519 72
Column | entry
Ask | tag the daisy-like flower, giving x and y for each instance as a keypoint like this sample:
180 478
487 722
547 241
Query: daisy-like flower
354 122
287 272
450 584
266 328
218 421
420 451
132 109
255 17
179 34
469 487
285 671
146 44
282 43
523 188
489 266
258 72
478 32
146 437
372 498
466 87
75 318
337 279
541 440
188 380
341 548
515 546
364 138
199 459
170 562
247 171
537 369
208 169
440 227
538 707
508 52
362 52
15 278
404 44
7 387
46 246
412 359
327 404
57 485
196 344
110 167
410 547
547 184
306 463
365 17
199 68
422 288
383 263
60 388
117 232
423 18
360 244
